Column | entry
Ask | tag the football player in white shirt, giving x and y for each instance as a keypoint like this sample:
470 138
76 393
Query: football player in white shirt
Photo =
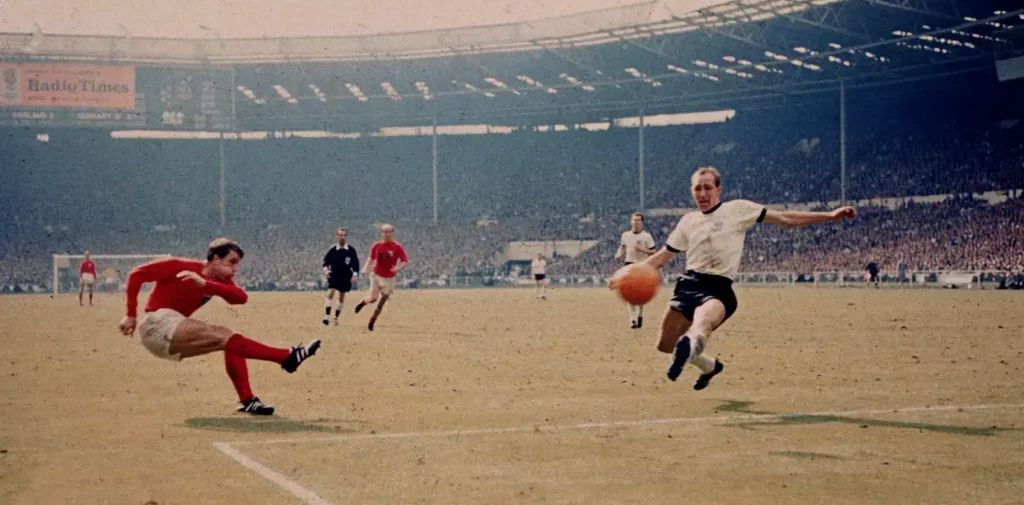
713 242
539 267
636 245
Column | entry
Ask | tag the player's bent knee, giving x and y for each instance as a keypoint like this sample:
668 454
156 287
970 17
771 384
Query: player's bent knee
665 346
217 336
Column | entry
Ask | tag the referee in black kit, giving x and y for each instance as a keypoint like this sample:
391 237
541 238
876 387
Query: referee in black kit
341 263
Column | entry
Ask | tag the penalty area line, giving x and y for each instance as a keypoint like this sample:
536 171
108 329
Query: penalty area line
307 496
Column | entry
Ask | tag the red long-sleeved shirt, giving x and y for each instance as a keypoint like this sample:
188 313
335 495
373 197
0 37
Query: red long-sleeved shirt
181 295
385 256
88 267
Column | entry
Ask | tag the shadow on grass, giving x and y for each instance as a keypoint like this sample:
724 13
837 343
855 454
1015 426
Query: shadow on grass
806 455
271 424
863 422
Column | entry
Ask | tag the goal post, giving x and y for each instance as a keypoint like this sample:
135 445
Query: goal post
111 270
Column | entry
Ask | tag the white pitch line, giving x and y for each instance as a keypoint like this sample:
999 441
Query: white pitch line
285 483
614 424
311 498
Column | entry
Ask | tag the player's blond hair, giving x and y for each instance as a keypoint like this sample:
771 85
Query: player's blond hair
708 170
386 227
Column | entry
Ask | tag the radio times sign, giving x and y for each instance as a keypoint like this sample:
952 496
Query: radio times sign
67 85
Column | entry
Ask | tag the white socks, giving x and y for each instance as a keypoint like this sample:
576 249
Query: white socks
697 357
635 311
704 363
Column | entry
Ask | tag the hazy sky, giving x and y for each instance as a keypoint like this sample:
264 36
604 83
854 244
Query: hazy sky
282 18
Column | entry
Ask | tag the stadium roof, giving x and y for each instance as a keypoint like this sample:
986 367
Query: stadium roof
729 54
662 56
188 31
253 19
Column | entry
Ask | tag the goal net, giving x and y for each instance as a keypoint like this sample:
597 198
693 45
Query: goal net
111 270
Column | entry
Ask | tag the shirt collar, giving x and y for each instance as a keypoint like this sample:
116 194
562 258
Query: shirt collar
706 212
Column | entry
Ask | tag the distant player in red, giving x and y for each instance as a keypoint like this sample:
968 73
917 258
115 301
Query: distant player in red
86 277
167 330
387 258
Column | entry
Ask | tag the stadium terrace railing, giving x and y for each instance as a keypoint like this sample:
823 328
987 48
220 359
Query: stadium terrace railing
950 279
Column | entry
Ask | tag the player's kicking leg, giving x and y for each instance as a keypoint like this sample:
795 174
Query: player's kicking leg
380 288
686 339
372 296
377 310
170 335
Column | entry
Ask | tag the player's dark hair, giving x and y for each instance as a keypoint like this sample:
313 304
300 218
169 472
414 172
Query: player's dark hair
341 229
642 220
222 247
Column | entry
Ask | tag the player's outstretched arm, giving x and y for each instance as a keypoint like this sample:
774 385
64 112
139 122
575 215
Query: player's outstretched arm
802 218
658 260
661 258
228 291
620 252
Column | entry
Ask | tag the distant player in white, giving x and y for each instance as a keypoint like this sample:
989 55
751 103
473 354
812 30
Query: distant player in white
635 246
539 268
713 242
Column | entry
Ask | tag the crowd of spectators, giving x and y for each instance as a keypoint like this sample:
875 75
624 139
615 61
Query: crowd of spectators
958 234
83 190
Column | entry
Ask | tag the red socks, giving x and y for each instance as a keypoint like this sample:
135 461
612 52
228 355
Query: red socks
239 374
251 349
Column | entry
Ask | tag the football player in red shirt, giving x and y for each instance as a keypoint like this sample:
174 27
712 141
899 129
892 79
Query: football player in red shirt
387 257
167 329
86 277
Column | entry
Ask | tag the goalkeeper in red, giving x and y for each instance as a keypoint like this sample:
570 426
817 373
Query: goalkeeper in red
167 329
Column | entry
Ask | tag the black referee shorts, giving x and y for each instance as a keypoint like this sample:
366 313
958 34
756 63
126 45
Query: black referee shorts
694 289
340 283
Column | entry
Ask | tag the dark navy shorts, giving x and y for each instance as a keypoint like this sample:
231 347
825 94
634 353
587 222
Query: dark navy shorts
340 283
694 289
